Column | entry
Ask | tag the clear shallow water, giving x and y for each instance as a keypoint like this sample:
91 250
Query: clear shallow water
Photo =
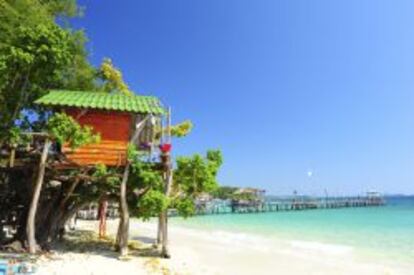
380 233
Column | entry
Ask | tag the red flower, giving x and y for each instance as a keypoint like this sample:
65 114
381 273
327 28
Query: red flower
165 148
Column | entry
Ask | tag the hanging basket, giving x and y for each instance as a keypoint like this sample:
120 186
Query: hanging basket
166 147
145 146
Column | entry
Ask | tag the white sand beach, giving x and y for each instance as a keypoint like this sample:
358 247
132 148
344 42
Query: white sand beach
207 252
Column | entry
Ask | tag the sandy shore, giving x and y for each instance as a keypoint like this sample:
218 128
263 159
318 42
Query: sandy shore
212 252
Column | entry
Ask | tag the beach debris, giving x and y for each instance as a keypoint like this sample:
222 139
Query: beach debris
125 258
15 246
16 264
155 266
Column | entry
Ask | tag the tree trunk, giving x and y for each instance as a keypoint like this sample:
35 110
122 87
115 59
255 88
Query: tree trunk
102 212
12 156
53 223
54 226
166 159
123 228
159 230
165 249
165 252
30 226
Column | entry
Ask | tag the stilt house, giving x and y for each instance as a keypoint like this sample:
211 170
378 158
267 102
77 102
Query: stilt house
115 117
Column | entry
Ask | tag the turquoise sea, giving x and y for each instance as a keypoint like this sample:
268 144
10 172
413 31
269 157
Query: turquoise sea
383 233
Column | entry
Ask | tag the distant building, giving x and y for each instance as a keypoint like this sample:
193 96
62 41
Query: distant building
375 197
255 192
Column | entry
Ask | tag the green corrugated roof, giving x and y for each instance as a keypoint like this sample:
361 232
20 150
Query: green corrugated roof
103 101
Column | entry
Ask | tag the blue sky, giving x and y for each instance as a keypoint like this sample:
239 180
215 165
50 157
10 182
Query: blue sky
283 88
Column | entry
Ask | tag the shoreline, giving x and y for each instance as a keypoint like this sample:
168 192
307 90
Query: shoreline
196 251
272 253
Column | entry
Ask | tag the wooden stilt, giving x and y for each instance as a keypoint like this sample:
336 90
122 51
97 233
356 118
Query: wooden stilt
12 155
123 230
166 159
31 217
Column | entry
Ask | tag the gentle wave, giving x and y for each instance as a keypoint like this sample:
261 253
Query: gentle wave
263 243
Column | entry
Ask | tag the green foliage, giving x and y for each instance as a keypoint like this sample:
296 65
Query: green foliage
100 170
233 193
106 180
133 154
112 80
179 130
152 204
215 160
182 129
36 55
195 175
144 175
146 184
33 62
244 196
185 207
14 137
225 192
64 129
67 8
21 13
215 157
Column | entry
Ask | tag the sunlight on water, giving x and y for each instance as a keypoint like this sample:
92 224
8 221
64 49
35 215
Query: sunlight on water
375 232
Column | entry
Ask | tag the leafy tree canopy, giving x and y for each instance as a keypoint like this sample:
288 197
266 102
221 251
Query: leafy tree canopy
64 129
196 174
193 176
111 78
37 54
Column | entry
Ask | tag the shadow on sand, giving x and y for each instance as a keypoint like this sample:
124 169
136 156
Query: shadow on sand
145 240
84 241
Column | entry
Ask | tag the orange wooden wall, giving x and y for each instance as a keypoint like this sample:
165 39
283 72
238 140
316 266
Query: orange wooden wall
114 129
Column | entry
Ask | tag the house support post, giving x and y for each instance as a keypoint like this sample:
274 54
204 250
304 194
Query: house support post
123 229
166 161
12 155
159 231
31 217
164 215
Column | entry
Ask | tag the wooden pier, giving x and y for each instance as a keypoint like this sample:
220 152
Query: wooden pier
297 204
